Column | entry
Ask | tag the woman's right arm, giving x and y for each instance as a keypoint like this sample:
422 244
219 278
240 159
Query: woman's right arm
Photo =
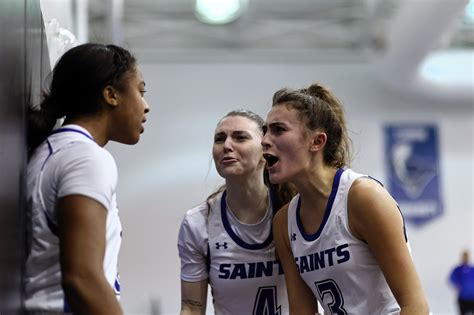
192 249
300 297
193 297
81 231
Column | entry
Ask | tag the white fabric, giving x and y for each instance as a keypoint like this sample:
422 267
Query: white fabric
67 163
339 268
243 281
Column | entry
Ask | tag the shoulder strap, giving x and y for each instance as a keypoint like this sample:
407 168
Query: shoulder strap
208 257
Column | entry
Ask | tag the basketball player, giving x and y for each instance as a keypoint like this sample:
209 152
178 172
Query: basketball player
226 242
75 231
342 239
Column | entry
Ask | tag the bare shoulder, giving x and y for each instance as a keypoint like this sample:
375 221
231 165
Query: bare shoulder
370 205
365 192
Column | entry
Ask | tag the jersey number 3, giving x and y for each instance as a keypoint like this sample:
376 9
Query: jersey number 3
331 295
266 302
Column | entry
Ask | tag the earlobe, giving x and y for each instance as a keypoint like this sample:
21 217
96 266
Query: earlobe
110 95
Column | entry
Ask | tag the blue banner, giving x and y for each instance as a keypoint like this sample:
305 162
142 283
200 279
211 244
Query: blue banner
412 158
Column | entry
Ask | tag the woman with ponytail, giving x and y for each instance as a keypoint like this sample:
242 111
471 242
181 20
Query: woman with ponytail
341 240
74 227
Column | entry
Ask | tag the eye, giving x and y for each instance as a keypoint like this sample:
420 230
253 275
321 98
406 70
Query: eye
219 139
242 138
278 129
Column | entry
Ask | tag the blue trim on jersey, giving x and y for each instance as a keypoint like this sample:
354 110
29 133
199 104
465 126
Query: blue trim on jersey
66 307
327 212
117 285
50 148
376 180
234 236
404 227
71 130
401 213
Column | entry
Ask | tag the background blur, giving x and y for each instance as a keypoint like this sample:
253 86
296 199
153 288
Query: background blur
391 62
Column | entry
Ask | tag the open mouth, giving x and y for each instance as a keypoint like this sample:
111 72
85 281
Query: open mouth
271 159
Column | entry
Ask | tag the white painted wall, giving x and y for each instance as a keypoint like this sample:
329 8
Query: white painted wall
170 171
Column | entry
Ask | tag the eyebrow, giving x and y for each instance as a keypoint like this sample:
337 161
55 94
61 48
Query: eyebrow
240 132
234 133
274 124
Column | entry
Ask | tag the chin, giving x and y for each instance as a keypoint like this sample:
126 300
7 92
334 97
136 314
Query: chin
131 141
275 179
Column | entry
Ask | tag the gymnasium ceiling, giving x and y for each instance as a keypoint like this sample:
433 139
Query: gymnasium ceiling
270 30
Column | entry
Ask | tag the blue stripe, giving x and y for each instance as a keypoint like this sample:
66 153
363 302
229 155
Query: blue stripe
66 307
332 196
235 238
71 130
49 155
404 227
117 286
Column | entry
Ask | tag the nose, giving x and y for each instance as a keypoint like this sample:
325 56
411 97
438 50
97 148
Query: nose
266 141
147 107
228 145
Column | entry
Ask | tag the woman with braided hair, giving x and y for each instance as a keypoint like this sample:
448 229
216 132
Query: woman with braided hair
73 223
342 239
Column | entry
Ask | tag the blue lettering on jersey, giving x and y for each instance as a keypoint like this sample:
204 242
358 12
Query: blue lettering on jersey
319 260
239 272
323 259
250 270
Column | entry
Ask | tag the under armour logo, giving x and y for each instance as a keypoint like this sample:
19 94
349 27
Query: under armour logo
293 237
219 245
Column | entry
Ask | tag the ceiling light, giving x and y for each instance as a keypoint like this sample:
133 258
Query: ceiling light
219 11
469 13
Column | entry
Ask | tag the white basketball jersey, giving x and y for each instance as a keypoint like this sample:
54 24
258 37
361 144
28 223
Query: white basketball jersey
69 162
246 278
339 268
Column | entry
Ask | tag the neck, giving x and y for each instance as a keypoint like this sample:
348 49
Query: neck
315 188
96 125
247 199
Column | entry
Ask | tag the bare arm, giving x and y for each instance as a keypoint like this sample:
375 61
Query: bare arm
300 297
81 231
193 297
375 218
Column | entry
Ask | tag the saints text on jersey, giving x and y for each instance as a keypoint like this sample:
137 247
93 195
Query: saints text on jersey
325 258
250 270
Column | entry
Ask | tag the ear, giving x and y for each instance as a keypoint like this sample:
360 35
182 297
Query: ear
110 96
318 141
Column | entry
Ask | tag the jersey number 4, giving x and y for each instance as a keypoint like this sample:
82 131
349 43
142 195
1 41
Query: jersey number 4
266 302
331 295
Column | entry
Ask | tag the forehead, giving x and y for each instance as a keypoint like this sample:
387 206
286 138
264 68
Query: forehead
135 76
283 113
237 123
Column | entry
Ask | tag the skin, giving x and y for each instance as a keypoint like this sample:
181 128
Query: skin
238 157
82 220
123 113
373 214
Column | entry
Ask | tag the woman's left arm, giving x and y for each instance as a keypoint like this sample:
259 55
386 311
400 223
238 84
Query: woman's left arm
375 218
